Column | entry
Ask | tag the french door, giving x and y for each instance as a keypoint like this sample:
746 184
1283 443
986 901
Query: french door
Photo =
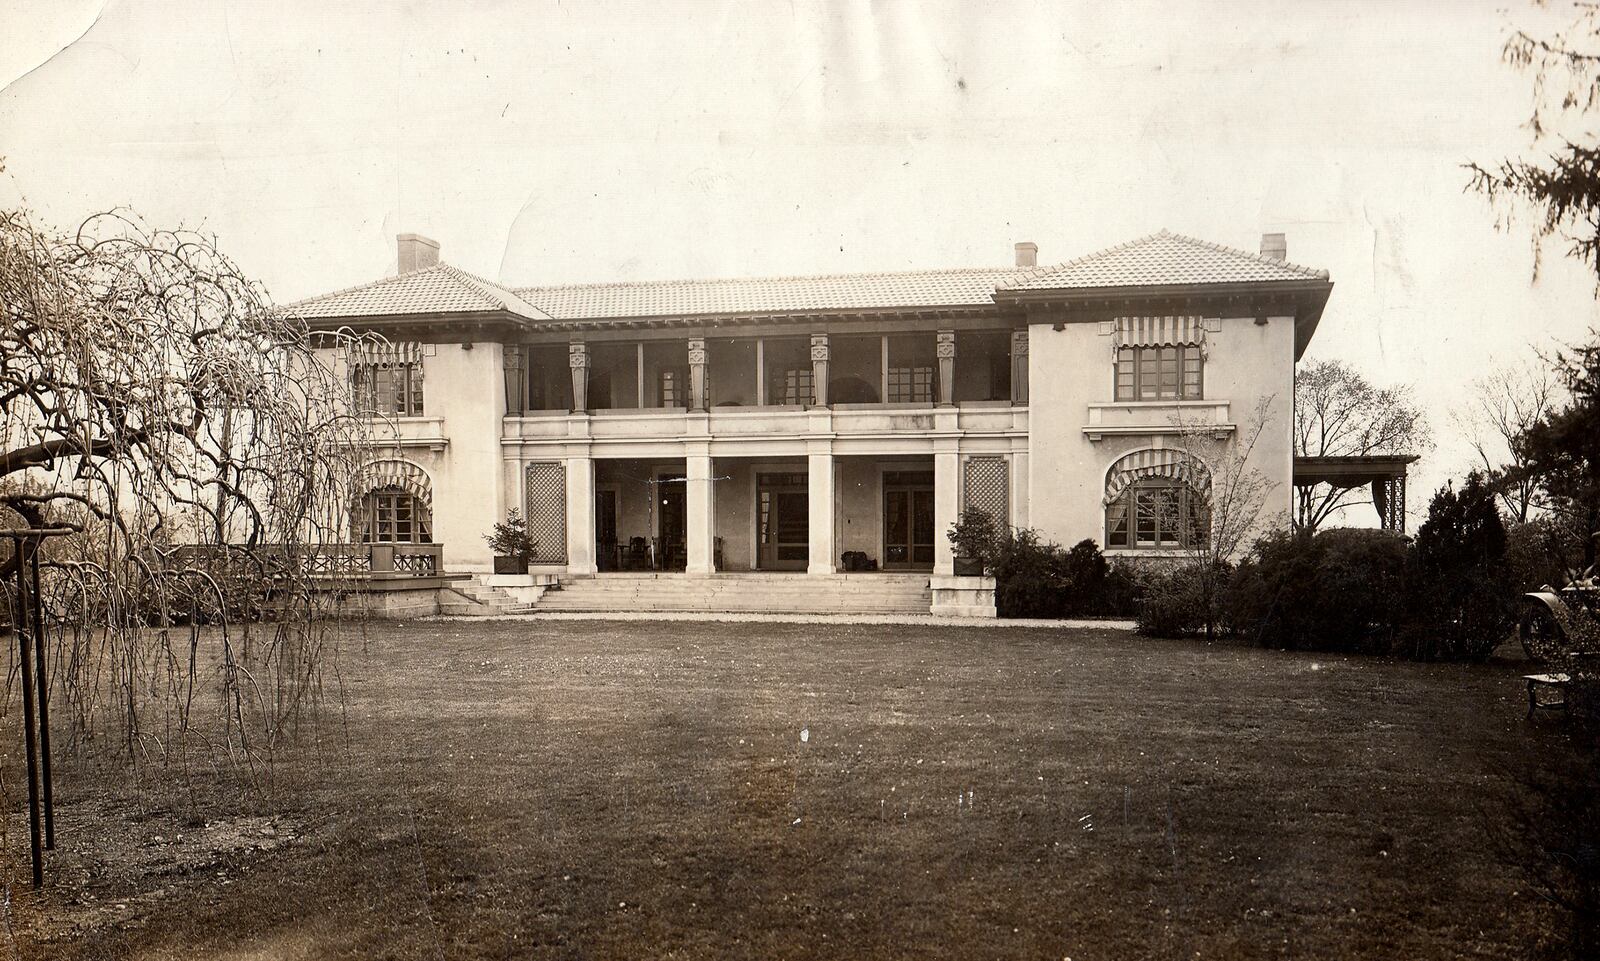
783 522
908 520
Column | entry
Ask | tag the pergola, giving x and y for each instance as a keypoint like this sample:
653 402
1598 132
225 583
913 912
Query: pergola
1385 472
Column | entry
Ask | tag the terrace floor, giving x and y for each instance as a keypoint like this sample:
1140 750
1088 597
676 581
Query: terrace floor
596 789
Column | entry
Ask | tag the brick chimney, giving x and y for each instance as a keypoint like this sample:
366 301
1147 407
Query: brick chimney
416 252
1275 246
1027 254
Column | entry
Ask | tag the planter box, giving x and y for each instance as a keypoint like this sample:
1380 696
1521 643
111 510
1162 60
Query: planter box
968 567
509 564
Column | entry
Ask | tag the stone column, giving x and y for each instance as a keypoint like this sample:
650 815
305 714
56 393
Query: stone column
945 350
580 513
578 359
819 370
819 492
946 510
697 374
700 514
1019 367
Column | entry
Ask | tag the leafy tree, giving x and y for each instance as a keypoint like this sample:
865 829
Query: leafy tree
1563 185
1338 413
1561 451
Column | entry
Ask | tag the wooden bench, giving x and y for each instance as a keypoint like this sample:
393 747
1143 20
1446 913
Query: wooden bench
1538 682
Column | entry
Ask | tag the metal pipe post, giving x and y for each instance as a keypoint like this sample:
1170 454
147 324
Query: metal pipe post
19 620
42 678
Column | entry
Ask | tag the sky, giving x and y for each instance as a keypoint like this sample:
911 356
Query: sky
564 142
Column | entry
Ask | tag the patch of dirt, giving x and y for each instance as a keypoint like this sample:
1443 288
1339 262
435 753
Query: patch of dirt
114 866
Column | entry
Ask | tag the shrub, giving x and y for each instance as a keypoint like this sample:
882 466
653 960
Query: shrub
1035 578
1460 598
1340 590
510 537
975 534
1174 603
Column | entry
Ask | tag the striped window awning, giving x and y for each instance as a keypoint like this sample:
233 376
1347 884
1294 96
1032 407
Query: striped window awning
396 473
1175 465
383 353
1159 331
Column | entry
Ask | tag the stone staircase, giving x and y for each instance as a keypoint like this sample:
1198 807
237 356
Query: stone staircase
867 593
477 598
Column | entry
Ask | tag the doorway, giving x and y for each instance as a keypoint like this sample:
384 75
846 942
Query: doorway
783 522
908 520
605 528
673 505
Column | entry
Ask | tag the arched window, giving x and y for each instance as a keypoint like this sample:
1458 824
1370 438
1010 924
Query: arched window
1157 513
393 515
1157 499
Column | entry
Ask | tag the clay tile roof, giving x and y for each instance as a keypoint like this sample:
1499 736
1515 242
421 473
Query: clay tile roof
1161 259
439 289
1158 260
770 295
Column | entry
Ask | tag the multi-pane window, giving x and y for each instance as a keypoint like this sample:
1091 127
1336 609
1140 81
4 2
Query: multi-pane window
674 389
797 383
392 515
1157 513
1159 373
390 388
911 385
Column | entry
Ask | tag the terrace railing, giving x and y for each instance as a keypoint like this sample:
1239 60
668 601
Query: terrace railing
323 560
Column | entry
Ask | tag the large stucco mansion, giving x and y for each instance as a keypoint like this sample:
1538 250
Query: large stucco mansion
818 425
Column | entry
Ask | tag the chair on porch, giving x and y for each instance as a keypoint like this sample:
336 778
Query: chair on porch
637 556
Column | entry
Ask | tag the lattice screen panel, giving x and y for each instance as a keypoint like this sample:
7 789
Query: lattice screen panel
988 488
546 511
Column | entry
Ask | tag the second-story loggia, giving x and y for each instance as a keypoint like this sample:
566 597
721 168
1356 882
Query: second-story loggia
926 368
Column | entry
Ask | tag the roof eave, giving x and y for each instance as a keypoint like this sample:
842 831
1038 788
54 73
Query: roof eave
426 326
712 319
1152 291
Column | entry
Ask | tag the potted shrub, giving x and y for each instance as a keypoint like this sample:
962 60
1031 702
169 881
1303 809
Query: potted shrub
513 549
973 537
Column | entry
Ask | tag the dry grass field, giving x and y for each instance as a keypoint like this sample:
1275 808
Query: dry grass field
691 790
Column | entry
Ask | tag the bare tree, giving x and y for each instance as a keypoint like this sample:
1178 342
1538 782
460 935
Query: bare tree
152 399
1505 404
1231 495
1338 413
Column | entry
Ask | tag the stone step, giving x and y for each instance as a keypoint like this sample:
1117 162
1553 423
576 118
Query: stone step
770 592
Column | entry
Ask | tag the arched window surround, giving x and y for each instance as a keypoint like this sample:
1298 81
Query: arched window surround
1156 499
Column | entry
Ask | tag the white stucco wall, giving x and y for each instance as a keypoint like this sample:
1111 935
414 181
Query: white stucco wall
466 389
1070 369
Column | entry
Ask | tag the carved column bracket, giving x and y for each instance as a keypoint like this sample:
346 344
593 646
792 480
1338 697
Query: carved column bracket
945 350
515 378
819 369
697 374
578 360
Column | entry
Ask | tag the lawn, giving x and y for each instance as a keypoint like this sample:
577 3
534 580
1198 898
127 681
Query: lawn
689 790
